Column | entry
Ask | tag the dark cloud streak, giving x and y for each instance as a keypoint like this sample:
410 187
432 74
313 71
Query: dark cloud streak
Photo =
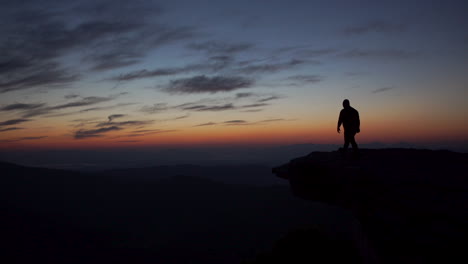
81 134
141 133
20 106
156 108
378 54
254 105
14 122
206 124
381 90
244 95
86 101
35 37
115 116
22 139
306 78
125 123
235 122
217 47
269 68
10 129
204 84
270 98
215 108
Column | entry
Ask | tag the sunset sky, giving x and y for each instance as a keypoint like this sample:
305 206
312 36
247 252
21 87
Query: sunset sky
88 73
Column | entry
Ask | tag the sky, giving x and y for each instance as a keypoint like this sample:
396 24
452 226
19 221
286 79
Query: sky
87 74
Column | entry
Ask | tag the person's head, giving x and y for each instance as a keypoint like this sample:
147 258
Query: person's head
345 103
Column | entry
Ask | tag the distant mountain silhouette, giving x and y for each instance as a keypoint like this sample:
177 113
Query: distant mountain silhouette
231 174
413 204
59 216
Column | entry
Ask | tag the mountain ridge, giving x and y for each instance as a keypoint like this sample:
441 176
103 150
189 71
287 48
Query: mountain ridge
63 216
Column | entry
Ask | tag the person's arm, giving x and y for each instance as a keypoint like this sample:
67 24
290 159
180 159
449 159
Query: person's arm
358 122
340 121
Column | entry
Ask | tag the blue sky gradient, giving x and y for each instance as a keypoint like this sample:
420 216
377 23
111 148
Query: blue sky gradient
202 72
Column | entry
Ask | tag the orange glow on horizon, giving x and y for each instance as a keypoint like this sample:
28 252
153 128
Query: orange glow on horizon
285 133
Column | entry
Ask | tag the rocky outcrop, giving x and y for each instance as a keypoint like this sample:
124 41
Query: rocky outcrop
412 204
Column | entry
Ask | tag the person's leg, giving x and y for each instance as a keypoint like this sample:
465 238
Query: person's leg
353 142
346 141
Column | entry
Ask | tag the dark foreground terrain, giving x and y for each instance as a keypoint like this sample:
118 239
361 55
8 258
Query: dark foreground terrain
153 215
412 204
409 206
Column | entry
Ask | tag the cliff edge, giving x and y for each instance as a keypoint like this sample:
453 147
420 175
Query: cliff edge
412 204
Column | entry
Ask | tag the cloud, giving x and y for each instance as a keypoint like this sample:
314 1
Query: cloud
108 34
307 54
206 124
179 117
140 133
244 95
129 141
216 47
243 122
376 26
147 74
253 110
119 105
306 78
249 100
19 106
269 68
254 105
384 89
222 107
125 123
378 54
313 53
356 73
14 122
214 64
270 98
146 130
217 63
84 119
10 129
260 98
203 84
22 139
91 100
113 60
130 48
86 101
84 122
49 75
228 103
236 122
32 138
81 134
112 117
203 108
71 96
37 112
271 120
156 108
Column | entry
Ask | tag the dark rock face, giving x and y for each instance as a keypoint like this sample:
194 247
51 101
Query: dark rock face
413 204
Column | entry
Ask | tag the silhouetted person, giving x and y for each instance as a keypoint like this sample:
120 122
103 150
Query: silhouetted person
349 117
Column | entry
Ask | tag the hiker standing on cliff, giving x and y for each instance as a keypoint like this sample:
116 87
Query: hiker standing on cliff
349 117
